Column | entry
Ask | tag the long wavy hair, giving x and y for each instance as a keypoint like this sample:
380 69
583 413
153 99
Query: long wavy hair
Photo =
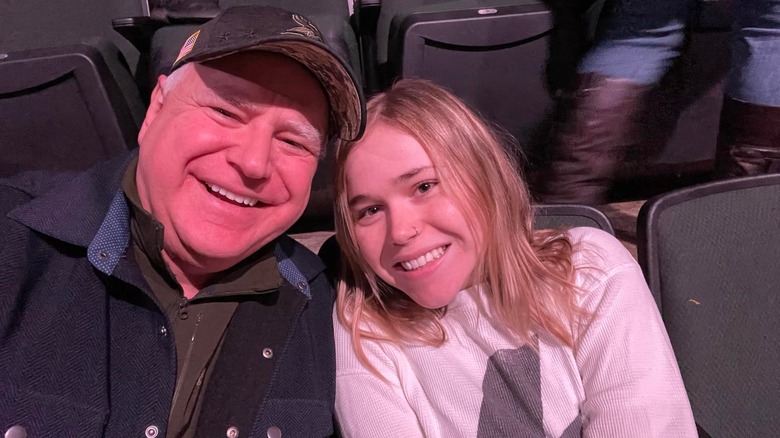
527 274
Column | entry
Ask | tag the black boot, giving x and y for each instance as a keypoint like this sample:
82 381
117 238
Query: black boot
749 139
594 128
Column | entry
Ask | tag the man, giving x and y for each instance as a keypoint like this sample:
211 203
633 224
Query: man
156 295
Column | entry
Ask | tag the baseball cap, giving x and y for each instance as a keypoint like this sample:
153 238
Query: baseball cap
266 28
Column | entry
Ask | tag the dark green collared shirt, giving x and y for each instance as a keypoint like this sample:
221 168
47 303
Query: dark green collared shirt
197 325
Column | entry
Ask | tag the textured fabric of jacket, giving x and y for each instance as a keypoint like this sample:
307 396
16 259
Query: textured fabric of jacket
85 350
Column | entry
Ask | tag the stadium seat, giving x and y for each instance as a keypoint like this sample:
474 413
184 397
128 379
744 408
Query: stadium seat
64 108
711 255
570 216
491 54
37 24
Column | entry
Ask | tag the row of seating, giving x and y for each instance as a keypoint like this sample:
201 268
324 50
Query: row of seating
505 57
710 255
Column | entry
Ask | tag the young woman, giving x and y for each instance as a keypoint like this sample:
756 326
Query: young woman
456 318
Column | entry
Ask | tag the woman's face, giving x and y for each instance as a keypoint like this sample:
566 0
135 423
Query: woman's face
407 228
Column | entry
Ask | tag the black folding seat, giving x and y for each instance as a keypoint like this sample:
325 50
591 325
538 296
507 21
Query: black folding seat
62 108
710 255
492 54
35 24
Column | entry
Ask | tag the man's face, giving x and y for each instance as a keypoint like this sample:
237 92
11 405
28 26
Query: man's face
227 157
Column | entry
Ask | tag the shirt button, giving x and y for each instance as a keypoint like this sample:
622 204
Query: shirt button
183 314
302 285
16 432
232 432
268 353
152 431
103 255
183 303
163 330
274 432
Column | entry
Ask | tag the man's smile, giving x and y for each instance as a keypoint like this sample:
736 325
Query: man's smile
238 199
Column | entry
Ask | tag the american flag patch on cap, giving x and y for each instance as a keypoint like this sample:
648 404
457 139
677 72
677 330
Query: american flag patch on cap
187 47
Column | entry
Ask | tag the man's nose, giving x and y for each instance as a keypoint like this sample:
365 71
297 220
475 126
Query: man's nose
251 153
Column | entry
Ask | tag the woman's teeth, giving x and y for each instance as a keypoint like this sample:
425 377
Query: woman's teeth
424 259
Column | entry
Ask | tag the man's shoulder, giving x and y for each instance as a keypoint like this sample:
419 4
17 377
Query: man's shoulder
304 259
20 188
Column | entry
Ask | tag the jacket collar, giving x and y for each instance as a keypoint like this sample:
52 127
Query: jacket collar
74 211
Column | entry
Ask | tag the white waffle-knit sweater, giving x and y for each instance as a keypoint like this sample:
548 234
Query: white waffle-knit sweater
620 380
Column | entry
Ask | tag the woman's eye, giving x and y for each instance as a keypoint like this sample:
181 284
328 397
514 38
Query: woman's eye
426 186
366 212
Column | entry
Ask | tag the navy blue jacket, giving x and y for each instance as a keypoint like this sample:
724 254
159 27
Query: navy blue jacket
84 347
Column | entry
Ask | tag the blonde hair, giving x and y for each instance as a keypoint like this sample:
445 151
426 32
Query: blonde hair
527 274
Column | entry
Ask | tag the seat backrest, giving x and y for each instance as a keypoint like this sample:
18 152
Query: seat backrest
331 18
493 55
711 255
570 216
37 24
62 109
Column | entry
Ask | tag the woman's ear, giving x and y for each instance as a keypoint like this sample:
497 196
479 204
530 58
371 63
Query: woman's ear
155 105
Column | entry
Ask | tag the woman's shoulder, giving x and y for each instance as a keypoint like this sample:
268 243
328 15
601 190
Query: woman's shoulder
595 248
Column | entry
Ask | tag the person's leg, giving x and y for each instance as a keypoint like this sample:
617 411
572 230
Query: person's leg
595 123
749 138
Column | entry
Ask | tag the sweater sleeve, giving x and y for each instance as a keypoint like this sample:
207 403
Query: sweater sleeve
629 372
367 406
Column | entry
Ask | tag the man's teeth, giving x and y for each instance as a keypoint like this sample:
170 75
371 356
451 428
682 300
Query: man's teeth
232 196
423 260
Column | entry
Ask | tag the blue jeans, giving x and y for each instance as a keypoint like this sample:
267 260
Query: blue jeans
644 37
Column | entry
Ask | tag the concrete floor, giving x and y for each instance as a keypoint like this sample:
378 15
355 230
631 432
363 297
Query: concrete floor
622 215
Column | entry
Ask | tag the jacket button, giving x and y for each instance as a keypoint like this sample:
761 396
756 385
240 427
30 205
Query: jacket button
268 353
152 431
16 432
274 432
232 432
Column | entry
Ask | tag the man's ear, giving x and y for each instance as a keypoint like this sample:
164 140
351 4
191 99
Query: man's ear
155 105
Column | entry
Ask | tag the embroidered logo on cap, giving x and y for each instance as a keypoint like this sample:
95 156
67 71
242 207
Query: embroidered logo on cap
305 28
187 47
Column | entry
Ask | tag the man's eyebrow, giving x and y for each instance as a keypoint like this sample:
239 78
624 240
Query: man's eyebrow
304 129
235 99
307 131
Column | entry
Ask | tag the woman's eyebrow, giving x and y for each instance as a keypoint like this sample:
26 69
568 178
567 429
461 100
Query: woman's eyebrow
357 199
406 176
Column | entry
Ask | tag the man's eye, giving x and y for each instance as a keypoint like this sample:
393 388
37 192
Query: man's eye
224 112
295 144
